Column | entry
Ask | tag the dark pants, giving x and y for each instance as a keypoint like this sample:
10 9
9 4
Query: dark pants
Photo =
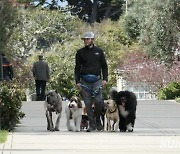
89 100
40 90
7 78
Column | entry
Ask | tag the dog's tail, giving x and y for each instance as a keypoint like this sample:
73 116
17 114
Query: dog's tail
113 93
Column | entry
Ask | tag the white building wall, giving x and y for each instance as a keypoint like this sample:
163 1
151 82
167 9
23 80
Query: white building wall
142 91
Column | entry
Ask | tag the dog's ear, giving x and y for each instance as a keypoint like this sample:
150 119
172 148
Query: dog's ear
56 91
79 103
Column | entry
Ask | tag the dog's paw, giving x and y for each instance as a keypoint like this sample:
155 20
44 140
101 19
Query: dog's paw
130 130
130 127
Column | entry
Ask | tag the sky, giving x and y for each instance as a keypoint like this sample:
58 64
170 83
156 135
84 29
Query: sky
62 4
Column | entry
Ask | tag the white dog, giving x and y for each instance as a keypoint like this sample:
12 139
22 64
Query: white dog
112 114
74 114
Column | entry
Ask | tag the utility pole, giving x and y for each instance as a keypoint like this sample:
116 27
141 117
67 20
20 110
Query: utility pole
126 6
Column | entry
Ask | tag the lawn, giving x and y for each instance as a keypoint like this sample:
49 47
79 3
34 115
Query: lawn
3 136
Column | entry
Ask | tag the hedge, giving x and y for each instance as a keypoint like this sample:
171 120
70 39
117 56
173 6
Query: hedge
10 105
172 91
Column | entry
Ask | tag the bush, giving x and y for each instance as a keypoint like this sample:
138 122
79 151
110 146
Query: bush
3 136
10 105
170 92
177 99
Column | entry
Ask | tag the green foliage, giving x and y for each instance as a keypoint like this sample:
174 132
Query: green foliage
3 136
8 15
38 29
156 25
131 26
170 92
23 72
177 99
10 105
97 10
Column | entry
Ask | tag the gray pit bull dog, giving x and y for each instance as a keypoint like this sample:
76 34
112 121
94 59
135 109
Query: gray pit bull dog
53 103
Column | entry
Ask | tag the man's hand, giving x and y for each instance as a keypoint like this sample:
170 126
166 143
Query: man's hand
78 85
104 82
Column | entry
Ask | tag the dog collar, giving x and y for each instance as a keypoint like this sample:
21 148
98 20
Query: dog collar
112 111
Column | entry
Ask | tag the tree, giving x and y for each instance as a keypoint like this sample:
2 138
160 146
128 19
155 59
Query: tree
88 10
97 10
8 16
38 29
156 25
8 22
138 67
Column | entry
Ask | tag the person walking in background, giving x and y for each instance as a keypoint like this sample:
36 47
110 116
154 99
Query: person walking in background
41 74
91 74
7 69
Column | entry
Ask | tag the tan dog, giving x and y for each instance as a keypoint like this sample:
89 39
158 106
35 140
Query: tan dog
112 114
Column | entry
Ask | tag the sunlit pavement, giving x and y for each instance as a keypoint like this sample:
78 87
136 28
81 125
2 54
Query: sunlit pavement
157 130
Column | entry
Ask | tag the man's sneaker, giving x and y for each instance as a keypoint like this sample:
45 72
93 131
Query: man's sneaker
91 129
100 128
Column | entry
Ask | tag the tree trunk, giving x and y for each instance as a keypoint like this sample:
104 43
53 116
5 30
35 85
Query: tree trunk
109 13
108 10
93 16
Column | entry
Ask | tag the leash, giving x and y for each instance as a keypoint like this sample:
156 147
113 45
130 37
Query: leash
93 93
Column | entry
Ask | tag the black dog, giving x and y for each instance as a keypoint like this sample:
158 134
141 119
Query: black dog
127 103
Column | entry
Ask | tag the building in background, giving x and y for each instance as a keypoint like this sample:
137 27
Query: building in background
141 90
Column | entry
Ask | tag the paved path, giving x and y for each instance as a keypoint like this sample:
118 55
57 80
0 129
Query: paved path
157 130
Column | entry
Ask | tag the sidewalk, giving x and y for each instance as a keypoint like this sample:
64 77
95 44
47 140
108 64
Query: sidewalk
157 130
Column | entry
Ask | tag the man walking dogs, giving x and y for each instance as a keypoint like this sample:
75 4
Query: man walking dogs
41 75
91 74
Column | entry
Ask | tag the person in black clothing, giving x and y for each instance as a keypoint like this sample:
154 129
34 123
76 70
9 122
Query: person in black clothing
7 69
91 74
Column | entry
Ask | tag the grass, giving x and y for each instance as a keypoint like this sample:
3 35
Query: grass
3 136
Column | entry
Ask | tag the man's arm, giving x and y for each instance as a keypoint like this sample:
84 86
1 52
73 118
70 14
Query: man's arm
77 68
33 70
104 67
48 72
